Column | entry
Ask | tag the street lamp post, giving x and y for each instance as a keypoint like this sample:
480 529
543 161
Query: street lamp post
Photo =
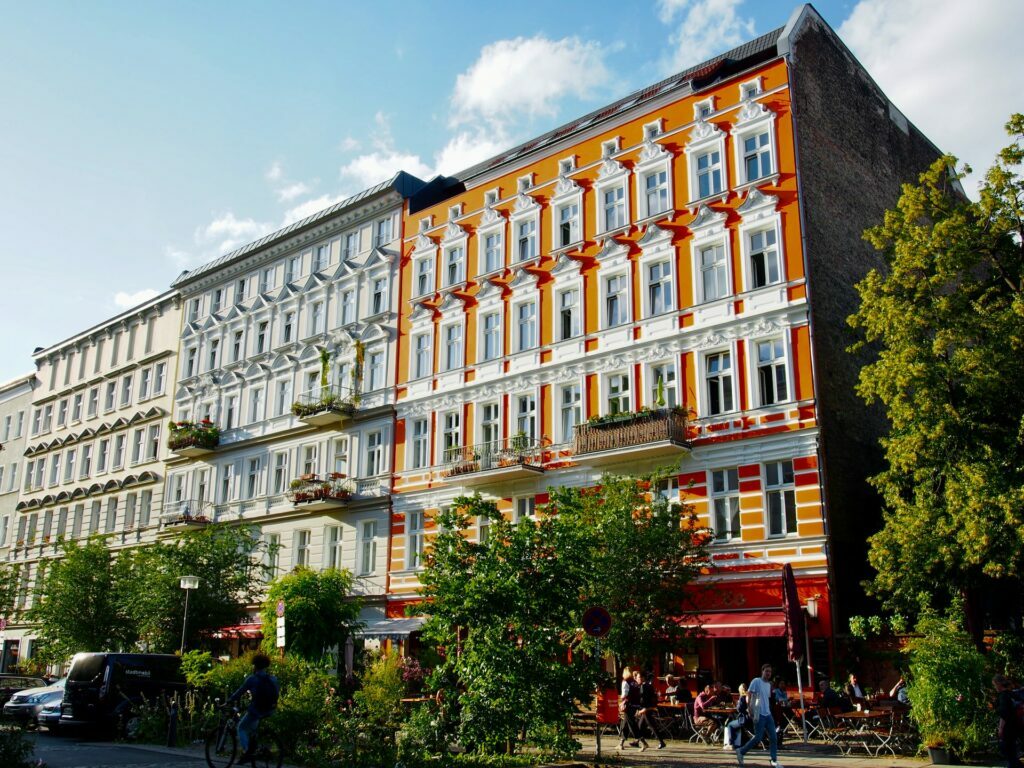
188 583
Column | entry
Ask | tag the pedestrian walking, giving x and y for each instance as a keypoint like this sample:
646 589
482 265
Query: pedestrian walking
759 700
1008 730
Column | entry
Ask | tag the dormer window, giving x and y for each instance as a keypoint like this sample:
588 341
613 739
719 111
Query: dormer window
704 109
609 148
524 183
566 166
653 130
750 89
491 198
454 212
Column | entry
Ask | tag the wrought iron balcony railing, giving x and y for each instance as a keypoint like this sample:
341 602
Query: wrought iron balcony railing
518 451
333 401
665 426
332 487
187 512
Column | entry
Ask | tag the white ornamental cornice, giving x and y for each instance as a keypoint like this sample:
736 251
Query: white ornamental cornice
489 290
525 204
566 187
653 152
707 220
523 280
751 111
611 168
612 254
566 266
423 244
704 131
453 232
654 235
758 205
421 314
451 304
491 217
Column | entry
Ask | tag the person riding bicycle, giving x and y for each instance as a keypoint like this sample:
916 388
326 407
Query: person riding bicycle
265 691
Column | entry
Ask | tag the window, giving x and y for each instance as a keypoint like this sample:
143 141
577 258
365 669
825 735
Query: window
492 336
713 276
618 393
615 299
126 390
138 441
663 386
94 402
7 427
718 379
287 328
111 519
40 469
236 346
383 236
294 269
569 314
781 493
145 508
252 478
55 469
526 416
273 555
129 511
379 298
340 445
490 423
614 208
376 366
301 549
256 405
118 459
261 337
332 546
451 436
30 469
374 453
367 547
453 347
526 240
659 288
424 277
310 459
86 461
421 358
420 444
214 349
190 363
284 397
153 442
37 416
240 291
771 372
453 266
725 503
757 156
230 407
101 456
351 248
48 410
765 268
267 279
76 408
202 480
316 320
568 225
62 413
525 507
321 257
494 258
483 528
193 315
709 173
571 413
69 466
348 307
227 482
415 544
281 480
215 303
656 192
145 381
527 325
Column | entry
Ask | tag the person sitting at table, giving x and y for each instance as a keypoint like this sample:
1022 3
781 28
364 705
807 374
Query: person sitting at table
629 700
705 699
830 698
853 690
647 715
733 731
899 692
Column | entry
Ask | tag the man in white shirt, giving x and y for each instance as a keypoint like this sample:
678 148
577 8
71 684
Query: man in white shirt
759 698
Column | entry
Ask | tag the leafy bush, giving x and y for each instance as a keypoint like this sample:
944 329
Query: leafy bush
1008 656
15 750
948 687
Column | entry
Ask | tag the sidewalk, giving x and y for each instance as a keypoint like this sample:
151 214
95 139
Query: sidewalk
794 754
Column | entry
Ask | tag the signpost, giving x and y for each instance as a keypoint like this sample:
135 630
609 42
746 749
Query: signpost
597 622
280 625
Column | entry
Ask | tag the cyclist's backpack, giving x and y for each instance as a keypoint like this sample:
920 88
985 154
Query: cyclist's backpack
265 693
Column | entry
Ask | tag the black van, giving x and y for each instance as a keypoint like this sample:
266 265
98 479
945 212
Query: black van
103 688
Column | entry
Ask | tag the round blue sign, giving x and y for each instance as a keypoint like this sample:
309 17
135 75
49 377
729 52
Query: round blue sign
597 621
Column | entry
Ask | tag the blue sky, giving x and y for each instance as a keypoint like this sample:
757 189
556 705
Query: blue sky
138 139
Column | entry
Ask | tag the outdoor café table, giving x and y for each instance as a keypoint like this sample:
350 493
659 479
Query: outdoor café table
674 716
861 729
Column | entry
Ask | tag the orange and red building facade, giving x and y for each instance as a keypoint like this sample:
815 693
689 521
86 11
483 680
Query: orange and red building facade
646 266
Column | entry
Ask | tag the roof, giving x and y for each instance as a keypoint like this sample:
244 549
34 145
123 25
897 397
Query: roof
758 48
403 183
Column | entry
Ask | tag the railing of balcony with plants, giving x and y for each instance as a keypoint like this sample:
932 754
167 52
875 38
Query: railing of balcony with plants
334 486
630 428
516 451
187 511
193 434
335 398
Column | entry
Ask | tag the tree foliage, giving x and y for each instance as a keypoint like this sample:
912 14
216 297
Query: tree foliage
508 610
10 580
947 319
319 611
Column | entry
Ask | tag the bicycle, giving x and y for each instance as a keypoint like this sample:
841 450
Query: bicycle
222 744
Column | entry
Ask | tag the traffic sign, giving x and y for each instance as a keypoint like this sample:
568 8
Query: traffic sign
280 608
280 631
597 621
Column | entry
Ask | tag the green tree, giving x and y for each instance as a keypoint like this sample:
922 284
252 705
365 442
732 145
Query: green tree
10 581
227 560
319 611
76 607
946 316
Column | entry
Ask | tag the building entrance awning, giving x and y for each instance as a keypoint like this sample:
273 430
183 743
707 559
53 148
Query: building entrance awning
391 629
237 630
742 624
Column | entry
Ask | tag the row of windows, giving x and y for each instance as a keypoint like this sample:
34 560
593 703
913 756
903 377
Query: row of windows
291 269
617 396
114 394
8 478
779 495
272 475
93 459
107 353
331 552
82 520
14 426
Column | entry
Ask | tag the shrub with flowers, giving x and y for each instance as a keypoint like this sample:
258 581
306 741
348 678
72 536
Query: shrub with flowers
191 434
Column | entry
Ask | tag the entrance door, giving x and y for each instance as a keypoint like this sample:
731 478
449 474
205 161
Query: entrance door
10 655
731 661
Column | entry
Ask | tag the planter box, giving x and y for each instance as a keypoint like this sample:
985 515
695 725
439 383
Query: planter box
641 435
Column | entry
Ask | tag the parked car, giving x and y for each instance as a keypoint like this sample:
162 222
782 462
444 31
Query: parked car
24 706
104 689
12 684
49 715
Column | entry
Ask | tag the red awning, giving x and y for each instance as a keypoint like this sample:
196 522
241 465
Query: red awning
237 630
743 624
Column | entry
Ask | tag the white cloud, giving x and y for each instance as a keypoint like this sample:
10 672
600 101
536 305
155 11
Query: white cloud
349 144
527 76
708 28
275 172
309 207
466 149
227 232
947 65
289 192
125 300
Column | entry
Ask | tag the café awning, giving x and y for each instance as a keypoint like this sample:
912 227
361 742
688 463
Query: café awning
237 630
770 623
391 629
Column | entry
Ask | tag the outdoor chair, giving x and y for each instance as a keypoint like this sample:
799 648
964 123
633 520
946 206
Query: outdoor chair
703 733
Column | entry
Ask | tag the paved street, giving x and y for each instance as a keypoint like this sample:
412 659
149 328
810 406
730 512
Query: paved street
70 752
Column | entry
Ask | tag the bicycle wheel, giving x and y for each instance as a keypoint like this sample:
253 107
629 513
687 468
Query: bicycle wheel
221 747
269 753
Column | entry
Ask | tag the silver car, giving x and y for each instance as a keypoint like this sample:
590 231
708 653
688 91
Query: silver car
24 706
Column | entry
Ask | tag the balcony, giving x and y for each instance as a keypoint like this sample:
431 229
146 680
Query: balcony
497 461
187 515
193 439
325 406
313 493
648 434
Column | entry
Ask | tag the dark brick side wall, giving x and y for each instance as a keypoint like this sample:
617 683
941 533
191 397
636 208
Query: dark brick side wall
854 152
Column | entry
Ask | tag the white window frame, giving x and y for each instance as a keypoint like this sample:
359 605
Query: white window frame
611 175
525 211
755 368
780 489
651 383
567 193
627 298
760 220
424 355
415 538
418 442
333 546
726 493
705 137
492 223
654 159
367 548
564 435
703 394
752 119
605 386
454 347
709 231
